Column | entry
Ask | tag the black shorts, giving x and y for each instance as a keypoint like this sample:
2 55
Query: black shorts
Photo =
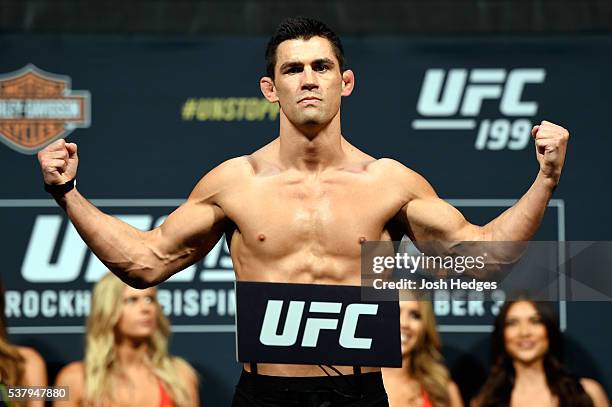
362 390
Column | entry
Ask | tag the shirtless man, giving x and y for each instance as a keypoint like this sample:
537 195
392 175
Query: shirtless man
297 209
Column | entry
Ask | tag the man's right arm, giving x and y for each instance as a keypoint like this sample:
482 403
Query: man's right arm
141 258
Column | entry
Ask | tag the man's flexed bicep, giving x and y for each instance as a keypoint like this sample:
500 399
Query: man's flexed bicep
428 217
194 228
137 257
143 259
432 218
186 236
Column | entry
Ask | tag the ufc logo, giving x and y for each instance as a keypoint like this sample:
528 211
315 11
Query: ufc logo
442 93
269 336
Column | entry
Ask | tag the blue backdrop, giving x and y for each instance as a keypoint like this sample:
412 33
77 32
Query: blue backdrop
164 111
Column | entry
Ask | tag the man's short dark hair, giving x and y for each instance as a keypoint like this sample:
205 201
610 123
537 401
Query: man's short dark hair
301 28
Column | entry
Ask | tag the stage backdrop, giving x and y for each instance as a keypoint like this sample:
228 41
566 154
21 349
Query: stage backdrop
152 115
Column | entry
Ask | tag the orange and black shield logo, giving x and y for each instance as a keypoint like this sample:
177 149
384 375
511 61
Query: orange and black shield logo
37 107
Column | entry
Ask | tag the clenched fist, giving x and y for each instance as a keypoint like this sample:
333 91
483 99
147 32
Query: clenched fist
58 162
551 144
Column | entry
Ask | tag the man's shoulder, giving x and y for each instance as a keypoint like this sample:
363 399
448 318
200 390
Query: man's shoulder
250 164
392 167
400 178
389 163
229 170
227 176
236 166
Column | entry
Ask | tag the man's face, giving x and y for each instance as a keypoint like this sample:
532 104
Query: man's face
308 82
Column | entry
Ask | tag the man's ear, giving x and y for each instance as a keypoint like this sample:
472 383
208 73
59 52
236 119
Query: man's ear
266 84
348 82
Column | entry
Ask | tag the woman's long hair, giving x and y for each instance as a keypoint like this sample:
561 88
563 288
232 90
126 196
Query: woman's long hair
101 366
426 361
11 362
497 390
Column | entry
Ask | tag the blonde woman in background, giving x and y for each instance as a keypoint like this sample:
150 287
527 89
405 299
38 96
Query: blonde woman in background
19 366
126 356
423 380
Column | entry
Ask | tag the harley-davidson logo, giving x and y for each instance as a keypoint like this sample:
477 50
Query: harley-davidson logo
37 107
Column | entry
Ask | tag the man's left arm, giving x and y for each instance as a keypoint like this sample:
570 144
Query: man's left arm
430 218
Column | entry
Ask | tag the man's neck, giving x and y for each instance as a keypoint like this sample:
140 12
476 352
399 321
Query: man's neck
311 148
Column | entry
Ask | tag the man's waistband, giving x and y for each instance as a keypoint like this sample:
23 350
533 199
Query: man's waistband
365 382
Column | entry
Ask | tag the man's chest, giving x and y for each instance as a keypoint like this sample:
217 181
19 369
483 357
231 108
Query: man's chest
341 207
